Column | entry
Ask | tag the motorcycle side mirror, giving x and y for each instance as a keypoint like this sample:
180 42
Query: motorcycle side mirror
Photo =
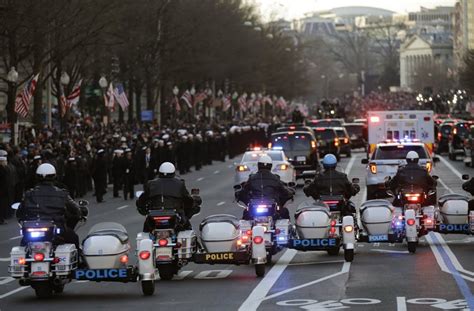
364 161
390 193
387 178
307 181
15 206
355 180
138 194
292 184
194 191
435 177
83 202
237 187
436 159
432 192
465 177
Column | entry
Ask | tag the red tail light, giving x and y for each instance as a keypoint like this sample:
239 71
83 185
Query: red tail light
163 242
374 119
411 222
439 135
144 255
313 144
245 238
415 197
124 259
249 232
333 223
21 261
258 240
56 260
39 257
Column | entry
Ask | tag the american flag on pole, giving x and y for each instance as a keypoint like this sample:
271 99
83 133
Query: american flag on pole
121 97
268 100
110 99
73 98
175 102
200 97
281 102
63 102
242 103
226 103
22 101
187 98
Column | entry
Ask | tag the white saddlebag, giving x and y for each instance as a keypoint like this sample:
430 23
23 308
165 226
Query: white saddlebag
312 220
219 233
454 209
105 243
376 216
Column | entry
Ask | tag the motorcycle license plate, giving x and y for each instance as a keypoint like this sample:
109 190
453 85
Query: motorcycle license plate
164 253
39 269
378 238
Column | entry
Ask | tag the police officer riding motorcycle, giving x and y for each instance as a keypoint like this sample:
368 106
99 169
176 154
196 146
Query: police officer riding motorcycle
330 182
168 193
264 184
46 202
413 176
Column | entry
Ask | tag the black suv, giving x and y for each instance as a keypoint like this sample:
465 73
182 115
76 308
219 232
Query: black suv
325 122
344 141
328 141
459 132
300 147
357 134
442 137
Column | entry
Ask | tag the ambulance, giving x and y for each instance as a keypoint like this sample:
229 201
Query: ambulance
399 126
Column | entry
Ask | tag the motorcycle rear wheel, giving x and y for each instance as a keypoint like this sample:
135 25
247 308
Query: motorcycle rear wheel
412 247
167 271
260 270
333 251
43 289
148 288
58 289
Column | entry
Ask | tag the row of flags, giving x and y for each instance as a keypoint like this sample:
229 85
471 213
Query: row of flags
243 101
114 94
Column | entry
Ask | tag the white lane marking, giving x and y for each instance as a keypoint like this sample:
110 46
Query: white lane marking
230 166
315 262
258 294
122 207
200 178
345 268
401 304
349 166
389 251
217 172
221 203
445 186
6 259
439 258
19 289
6 280
16 237
451 256
455 171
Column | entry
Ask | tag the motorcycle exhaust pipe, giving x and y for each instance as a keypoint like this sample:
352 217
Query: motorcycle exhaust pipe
58 282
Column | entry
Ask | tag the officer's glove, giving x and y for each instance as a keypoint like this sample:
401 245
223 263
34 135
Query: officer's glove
356 188
142 210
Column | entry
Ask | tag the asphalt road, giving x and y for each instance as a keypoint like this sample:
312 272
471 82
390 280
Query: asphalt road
440 276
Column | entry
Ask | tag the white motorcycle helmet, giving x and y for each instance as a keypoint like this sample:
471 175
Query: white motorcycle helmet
46 171
167 169
412 157
265 162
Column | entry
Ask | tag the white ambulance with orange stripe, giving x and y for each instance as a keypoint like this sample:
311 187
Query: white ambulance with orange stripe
400 125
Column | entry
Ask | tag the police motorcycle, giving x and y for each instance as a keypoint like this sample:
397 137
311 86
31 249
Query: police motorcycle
412 218
263 213
47 264
320 226
454 214
167 249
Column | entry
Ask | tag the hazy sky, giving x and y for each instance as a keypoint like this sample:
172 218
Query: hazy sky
297 8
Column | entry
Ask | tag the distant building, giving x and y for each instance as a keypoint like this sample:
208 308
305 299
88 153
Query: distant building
441 15
425 51
463 30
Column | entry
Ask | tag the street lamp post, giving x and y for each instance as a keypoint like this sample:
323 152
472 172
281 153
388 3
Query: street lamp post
12 79
103 85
